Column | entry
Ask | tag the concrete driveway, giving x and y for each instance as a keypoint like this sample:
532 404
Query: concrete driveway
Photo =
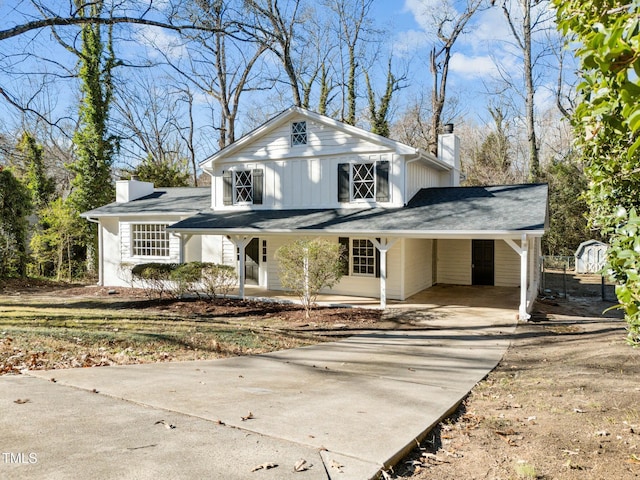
347 409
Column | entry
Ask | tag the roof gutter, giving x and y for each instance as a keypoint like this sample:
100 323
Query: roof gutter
434 234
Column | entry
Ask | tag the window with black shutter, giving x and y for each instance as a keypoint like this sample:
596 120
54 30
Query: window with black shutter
363 181
242 187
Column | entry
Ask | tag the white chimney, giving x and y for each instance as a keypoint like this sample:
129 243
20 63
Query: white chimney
449 152
128 190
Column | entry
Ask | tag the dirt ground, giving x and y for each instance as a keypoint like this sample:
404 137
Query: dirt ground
562 404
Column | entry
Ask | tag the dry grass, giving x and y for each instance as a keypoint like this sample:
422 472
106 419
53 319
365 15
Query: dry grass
44 333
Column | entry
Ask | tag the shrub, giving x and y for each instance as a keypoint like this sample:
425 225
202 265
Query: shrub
154 277
179 279
186 277
218 279
308 266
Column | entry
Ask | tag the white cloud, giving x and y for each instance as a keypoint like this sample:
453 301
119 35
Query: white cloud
409 42
481 66
159 39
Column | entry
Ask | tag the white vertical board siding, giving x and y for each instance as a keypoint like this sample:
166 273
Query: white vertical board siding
418 272
507 265
305 176
420 176
308 182
454 262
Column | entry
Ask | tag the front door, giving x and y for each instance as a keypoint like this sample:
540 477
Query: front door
482 258
252 261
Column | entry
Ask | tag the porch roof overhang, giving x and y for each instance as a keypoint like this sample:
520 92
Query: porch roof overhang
453 212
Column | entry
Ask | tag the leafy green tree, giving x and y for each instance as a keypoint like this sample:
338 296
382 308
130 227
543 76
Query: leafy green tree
379 113
39 184
92 185
568 209
607 122
308 266
57 247
163 173
15 206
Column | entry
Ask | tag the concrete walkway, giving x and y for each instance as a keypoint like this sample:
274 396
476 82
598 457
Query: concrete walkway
347 408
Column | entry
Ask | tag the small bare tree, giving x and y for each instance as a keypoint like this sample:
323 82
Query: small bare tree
308 266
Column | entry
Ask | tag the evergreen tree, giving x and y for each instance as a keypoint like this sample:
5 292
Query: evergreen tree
92 185
15 206
163 173
35 178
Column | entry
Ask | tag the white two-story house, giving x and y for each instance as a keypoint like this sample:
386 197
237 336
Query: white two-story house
399 212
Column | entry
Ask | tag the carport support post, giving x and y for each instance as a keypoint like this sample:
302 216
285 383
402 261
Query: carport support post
383 245
183 243
240 242
523 251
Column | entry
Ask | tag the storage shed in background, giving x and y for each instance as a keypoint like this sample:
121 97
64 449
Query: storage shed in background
591 256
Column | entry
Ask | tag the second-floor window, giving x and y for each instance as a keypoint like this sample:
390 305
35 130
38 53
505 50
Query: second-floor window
242 187
366 181
362 181
298 133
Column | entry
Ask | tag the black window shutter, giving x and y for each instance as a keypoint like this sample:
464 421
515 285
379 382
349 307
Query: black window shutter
344 241
382 181
378 259
227 188
343 182
258 183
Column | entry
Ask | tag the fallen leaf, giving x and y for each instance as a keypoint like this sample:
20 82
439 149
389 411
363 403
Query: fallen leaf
385 475
264 466
248 417
301 465
337 465
634 459
168 426
21 401
571 452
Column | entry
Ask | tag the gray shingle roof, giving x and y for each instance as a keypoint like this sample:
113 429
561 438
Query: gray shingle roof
509 208
163 201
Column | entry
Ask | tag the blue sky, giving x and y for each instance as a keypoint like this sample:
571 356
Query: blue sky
483 54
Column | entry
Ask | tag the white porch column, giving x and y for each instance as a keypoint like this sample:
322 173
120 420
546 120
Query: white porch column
240 243
523 251
184 238
383 245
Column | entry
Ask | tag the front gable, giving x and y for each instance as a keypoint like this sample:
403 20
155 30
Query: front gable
300 159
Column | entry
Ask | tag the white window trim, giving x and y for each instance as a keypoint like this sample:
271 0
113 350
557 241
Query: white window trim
352 263
132 241
294 134
236 173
